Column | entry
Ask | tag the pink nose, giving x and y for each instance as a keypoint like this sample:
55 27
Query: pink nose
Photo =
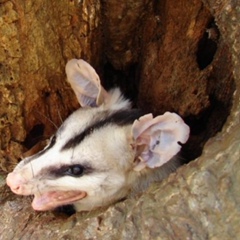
15 182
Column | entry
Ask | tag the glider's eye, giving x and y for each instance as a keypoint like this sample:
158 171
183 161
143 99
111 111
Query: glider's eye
74 170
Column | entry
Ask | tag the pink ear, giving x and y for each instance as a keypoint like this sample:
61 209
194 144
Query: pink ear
85 82
157 139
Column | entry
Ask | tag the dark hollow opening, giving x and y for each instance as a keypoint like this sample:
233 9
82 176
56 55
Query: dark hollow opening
124 79
34 136
207 46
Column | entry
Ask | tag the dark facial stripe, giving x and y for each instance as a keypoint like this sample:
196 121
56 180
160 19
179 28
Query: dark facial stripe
119 118
50 145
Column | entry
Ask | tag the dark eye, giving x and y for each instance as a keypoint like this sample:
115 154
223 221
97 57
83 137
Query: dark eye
74 170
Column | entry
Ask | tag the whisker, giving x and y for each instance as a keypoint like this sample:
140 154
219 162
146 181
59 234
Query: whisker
38 190
60 117
89 211
32 169
72 155
47 118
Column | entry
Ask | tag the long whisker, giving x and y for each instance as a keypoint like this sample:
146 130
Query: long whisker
72 159
60 117
38 190
32 169
42 115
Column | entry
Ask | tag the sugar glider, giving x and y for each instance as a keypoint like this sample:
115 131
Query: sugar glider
102 151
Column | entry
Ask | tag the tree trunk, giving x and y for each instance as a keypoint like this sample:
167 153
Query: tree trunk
166 56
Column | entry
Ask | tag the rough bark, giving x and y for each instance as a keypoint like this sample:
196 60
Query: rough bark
37 38
160 50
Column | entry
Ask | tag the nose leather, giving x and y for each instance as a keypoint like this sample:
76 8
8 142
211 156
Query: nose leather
15 182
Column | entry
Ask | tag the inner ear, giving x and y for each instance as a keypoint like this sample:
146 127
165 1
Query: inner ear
156 139
85 82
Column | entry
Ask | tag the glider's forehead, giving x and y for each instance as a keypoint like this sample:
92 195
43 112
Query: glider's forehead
77 122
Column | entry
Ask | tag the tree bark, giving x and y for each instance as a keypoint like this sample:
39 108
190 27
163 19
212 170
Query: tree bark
165 55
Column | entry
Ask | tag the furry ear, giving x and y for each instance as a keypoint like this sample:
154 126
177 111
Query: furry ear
86 83
157 140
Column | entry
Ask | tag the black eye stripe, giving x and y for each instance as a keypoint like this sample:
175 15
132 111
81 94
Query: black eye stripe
74 170
119 118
